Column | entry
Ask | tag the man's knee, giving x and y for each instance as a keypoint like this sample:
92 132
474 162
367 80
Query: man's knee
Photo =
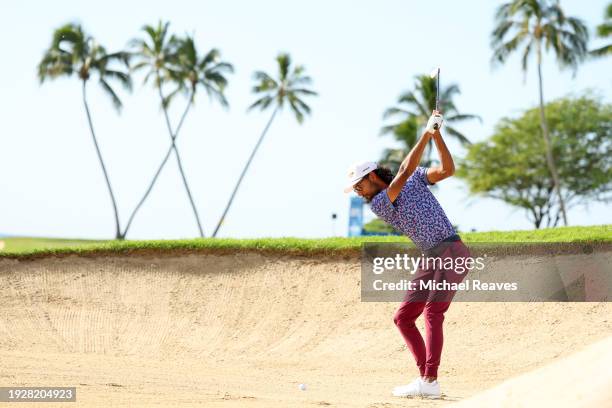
397 318
407 314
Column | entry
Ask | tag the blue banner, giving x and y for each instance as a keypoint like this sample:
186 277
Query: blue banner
356 217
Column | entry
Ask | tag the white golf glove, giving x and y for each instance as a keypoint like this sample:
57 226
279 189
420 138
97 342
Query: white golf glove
434 119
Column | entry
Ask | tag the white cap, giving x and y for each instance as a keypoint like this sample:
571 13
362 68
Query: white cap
358 171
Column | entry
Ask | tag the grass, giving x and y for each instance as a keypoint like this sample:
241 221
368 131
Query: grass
28 244
28 247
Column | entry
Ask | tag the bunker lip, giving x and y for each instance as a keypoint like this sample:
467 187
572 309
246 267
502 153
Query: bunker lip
342 253
574 380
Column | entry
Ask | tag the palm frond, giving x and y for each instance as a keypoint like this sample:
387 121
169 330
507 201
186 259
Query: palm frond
393 111
187 52
151 31
500 31
299 116
167 100
449 92
602 52
148 75
303 106
569 48
504 11
71 34
261 103
283 60
111 93
605 29
462 117
215 79
501 53
123 78
301 80
263 77
163 32
265 86
304 91
122 57
139 65
525 57
222 67
385 130
458 135
214 93
210 57
411 99
53 65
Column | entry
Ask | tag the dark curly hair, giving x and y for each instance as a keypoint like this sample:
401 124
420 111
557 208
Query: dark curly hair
385 174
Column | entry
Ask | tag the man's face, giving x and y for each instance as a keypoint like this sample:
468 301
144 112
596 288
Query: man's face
366 188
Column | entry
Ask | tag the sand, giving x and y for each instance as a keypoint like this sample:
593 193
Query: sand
580 380
245 330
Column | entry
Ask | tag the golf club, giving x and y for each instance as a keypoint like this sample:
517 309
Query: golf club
436 74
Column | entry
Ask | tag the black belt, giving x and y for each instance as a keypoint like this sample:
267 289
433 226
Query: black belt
452 238
442 245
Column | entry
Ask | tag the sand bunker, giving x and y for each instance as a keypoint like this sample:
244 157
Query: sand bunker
581 380
245 330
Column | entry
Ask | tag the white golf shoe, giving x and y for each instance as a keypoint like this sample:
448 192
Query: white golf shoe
411 385
418 388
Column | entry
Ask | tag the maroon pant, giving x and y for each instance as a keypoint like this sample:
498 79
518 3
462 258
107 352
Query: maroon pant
433 304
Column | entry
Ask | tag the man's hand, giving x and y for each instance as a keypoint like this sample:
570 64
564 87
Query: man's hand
447 166
435 119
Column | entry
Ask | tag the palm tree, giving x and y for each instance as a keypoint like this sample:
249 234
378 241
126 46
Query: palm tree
406 133
414 108
176 61
72 51
289 87
604 30
539 24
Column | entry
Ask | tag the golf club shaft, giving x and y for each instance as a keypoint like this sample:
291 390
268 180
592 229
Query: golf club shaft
438 90
437 94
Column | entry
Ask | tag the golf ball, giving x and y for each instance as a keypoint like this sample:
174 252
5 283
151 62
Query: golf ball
302 387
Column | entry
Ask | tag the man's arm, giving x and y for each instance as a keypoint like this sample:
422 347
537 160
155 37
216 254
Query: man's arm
446 167
408 167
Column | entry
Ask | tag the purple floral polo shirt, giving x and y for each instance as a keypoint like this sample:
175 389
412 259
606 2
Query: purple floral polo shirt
415 212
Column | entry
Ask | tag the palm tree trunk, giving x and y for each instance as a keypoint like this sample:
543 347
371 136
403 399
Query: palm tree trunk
159 170
178 158
195 211
549 154
146 194
110 190
244 170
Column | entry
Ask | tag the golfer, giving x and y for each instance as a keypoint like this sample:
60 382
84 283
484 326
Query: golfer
405 202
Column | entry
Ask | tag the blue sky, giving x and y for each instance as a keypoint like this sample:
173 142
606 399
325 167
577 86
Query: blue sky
361 55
